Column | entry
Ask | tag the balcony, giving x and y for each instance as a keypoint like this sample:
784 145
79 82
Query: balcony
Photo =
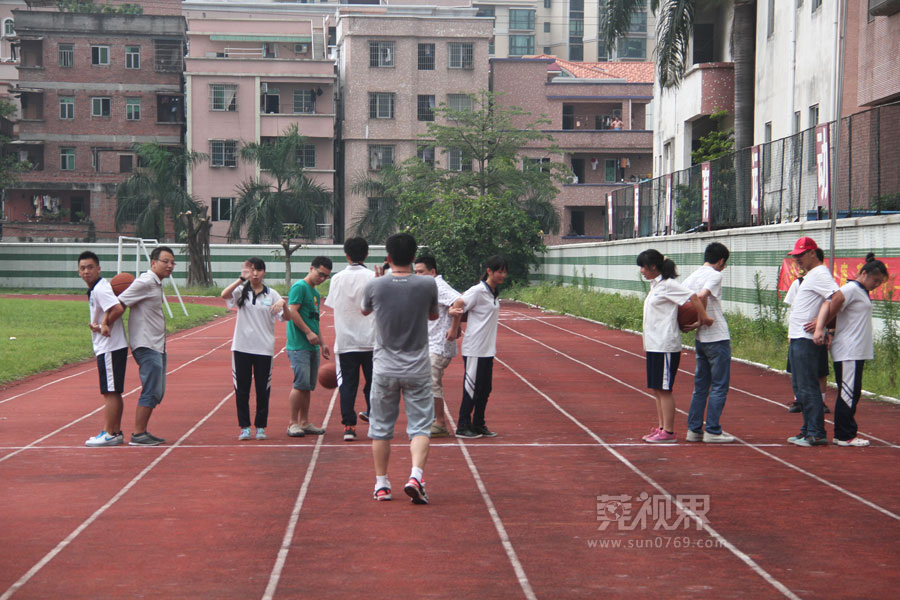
309 125
706 88
610 140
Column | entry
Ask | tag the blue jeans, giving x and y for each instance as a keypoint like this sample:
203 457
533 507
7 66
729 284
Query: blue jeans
152 368
711 380
804 357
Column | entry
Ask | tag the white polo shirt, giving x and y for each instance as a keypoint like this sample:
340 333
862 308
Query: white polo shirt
707 278
661 332
353 331
146 322
853 338
437 329
483 307
100 299
817 285
254 330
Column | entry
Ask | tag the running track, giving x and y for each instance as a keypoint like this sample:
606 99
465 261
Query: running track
511 517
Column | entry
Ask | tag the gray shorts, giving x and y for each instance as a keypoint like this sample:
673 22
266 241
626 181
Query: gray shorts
438 364
385 406
305 365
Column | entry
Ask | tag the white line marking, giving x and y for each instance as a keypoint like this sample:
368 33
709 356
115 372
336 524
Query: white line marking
448 444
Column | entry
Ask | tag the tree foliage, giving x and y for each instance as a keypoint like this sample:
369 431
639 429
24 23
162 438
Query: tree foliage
10 165
716 143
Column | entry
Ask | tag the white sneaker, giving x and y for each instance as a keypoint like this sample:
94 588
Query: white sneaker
105 439
261 433
694 436
855 442
717 438
245 434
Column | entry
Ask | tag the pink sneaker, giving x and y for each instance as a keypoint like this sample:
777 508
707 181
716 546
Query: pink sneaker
653 432
661 437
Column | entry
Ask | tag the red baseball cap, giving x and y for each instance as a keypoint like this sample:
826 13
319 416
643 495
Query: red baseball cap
803 244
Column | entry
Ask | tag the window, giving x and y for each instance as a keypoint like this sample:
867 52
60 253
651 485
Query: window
67 107
485 11
815 5
126 163
521 19
576 28
99 55
546 26
521 44
460 102
536 165
461 55
132 57
222 153
548 50
168 55
426 57
633 48
547 3
425 108
67 159
304 101
457 162
221 209
568 116
133 109
66 55
380 156
306 156
638 22
770 19
767 150
381 54
170 109
811 135
223 97
576 51
9 28
813 115
609 169
381 105
100 107
426 154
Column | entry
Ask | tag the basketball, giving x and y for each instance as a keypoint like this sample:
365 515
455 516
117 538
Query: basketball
328 375
687 315
121 282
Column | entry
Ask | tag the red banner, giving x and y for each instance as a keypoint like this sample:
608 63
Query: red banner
845 270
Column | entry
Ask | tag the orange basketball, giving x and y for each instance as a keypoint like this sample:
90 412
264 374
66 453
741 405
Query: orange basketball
687 315
328 375
121 282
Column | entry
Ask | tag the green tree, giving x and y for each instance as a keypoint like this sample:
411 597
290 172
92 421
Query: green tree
10 165
716 143
380 219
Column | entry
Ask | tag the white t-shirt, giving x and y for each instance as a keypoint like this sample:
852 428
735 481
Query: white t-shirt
707 278
661 333
254 330
818 284
481 328
353 331
792 291
853 329
437 329
100 300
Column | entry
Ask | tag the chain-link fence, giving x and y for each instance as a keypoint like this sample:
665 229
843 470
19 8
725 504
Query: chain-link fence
868 182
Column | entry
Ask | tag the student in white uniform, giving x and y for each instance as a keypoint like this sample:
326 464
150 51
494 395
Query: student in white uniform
253 346
852 345
662 337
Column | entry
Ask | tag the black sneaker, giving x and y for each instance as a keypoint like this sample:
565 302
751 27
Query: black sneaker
349 434
795 407
826 408
145 439
466 432
483 430
817 441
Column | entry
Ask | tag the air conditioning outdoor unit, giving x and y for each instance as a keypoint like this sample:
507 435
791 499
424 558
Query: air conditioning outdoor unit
301 48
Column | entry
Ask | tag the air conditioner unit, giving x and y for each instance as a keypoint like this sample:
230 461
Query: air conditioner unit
301 48
263 88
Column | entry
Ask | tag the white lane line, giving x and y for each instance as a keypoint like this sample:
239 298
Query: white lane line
834 486
280 561
743 557
250 445
87 522
642 357
495 515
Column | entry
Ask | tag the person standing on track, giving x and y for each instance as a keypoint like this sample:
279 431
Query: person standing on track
253 344
354 333
303 341
662 338
110 348
852 345
403 304
713 347
479 346
147 332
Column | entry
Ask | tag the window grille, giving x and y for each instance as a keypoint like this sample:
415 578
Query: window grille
381 105
381 54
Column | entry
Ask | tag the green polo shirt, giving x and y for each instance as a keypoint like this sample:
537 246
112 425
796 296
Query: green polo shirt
307 298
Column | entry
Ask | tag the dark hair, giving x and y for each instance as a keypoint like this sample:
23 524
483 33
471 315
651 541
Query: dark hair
715 252
653 258
356 249
159 250
495 263
428 261
872 265
88 255
258 264
401 247
820 254
321 261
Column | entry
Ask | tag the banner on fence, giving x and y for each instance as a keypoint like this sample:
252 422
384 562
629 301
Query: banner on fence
637 209
755 187
669 228
845 270
823 165
705 173
609 216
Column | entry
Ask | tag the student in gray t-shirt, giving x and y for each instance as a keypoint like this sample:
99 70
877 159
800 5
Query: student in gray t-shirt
403 303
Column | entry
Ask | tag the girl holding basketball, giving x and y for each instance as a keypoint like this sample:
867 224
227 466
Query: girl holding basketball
662 337
253 345
852 344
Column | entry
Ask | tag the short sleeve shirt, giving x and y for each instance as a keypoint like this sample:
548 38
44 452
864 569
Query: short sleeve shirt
661 333
483 307
100 299
146 322
254 330
307 298
707 278
437 329
818 284
853 330
353 331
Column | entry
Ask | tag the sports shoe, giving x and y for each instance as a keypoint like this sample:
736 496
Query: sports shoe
827 410
145 439
717 438
364 417
652 433
795 407
661 437
382 494
438 432
799 440
105 439
794 438
415 489
261 433
294 430
694 436
466 432
483 431
855 442
312 429
349 434
245 434
808 441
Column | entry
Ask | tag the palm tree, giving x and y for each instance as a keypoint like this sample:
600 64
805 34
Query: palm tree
379 220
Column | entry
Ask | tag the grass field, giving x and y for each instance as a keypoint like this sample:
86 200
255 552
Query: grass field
47 334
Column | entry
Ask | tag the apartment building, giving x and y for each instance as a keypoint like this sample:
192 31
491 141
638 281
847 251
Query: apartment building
253 72
600 117
395 66
90 86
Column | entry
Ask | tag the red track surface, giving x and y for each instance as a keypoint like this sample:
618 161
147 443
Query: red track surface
515 516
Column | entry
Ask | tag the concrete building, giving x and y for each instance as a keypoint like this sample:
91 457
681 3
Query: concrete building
583 102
